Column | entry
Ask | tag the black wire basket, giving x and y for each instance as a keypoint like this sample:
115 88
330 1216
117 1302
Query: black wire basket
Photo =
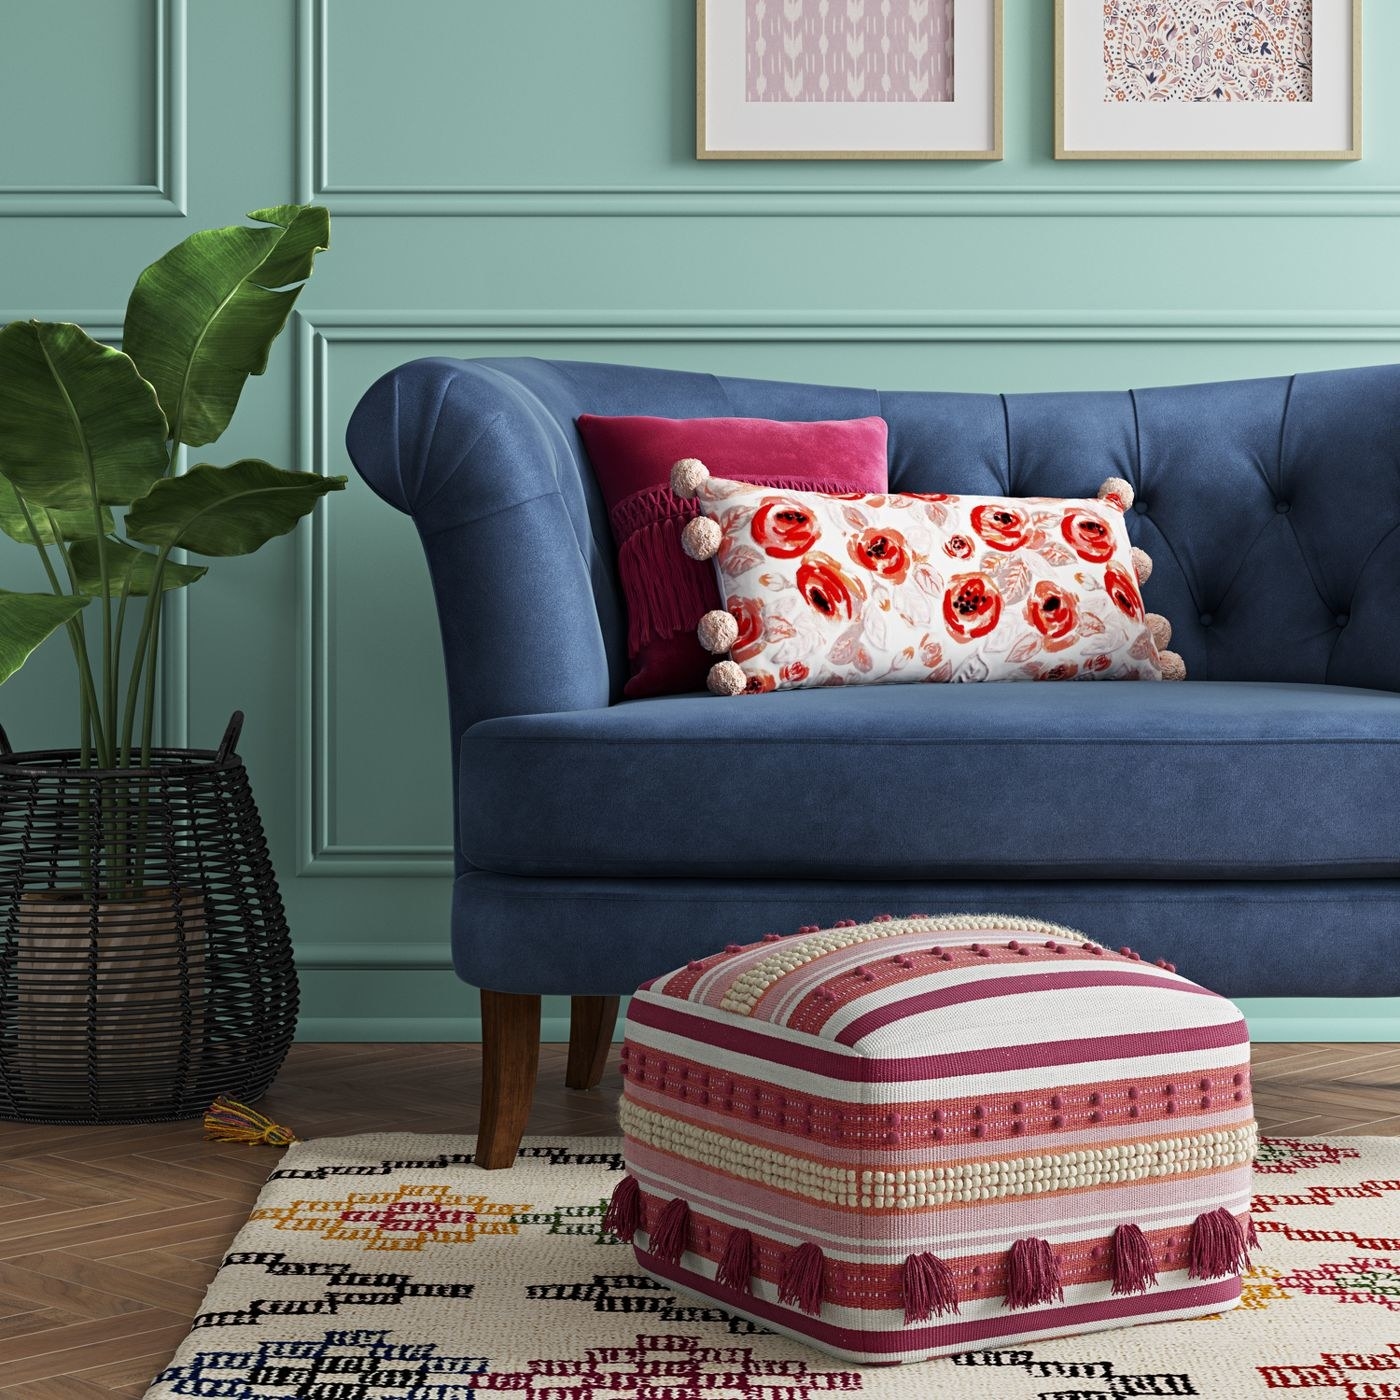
145 963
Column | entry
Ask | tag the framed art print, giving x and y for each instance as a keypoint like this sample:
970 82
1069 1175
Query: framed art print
1207 79
848 80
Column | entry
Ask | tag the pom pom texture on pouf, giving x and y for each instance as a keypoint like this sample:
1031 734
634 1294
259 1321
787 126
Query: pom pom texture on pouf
920 1136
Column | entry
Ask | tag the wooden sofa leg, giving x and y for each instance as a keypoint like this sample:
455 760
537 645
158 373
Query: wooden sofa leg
591 1022
510 1058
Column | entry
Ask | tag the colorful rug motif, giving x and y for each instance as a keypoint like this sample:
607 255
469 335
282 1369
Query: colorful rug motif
507 1282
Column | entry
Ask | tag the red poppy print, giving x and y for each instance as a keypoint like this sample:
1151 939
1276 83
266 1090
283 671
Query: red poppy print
795 672
1004 527
831 592
958 547
759 683
784 529
928 495
1065 671
748 613
1054 613
1123 590
1088 535
971 606
883 552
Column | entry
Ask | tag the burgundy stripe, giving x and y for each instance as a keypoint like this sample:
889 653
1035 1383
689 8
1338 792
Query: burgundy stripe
858 1069
951 1334
1085 975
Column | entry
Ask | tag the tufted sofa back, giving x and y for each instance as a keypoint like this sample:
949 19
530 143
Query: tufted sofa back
1271 507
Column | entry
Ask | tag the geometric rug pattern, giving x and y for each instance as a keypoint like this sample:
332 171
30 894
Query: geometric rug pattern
389 1267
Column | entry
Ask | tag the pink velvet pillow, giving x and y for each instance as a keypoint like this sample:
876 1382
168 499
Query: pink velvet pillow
666 592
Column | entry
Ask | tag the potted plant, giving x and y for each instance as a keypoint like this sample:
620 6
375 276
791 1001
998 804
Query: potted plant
145 962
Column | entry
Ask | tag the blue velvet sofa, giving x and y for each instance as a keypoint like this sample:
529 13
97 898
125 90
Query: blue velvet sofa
1245 824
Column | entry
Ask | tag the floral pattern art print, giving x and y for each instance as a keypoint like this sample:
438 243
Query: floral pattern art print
1208 50
856 589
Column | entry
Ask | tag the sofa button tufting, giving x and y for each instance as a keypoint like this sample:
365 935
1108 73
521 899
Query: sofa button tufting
1343 619
1206 619
1140 506
1282 507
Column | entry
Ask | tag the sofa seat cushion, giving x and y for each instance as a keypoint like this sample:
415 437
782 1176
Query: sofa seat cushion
1202 780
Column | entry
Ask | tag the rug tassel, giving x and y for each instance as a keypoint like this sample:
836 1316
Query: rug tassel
227 1120
668 1239
736 1267
1218 1245
1134 1269
928 1287
624 1217
1032 1274
803 1276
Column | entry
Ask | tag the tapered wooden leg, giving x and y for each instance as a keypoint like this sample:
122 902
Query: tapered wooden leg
510 1058
591 1022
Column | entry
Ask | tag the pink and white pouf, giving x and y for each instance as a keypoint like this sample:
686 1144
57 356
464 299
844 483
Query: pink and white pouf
917 1136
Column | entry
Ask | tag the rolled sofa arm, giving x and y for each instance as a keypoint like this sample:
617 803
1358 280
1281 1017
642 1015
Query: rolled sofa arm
489 475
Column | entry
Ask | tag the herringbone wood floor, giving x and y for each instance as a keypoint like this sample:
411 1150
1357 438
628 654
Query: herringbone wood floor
108 1236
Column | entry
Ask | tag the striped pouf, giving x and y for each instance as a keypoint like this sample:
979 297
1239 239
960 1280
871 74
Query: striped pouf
917 1136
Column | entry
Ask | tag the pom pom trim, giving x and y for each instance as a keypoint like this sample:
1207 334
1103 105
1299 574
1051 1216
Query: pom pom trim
717 631
1117 492
687 476
1173 667
701 538
726 678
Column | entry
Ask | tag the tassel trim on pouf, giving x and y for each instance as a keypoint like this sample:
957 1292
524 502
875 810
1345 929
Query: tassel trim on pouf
928 1288
1133 1268
668 1239
227 1120
1219 1245
624 1216
803 1276
736 1265
1032 1275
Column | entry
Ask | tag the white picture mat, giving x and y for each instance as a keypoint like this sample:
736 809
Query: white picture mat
1093 124
968 123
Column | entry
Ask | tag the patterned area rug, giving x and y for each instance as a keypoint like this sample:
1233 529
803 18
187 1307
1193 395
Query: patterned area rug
387 1267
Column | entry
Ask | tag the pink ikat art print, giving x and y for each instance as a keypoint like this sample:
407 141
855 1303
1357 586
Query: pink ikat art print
848 50
1208 50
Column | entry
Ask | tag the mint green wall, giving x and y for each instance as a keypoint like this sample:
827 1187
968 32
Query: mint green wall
517 178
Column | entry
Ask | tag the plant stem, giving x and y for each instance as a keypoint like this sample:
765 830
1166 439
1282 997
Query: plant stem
121 631
109 673
153 651
109 680
143 640
77 635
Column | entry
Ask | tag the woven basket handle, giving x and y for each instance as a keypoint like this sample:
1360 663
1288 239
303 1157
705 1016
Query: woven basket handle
229 742
5 746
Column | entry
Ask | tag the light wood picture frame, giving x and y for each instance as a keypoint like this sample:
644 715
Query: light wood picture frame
731 125
1324 126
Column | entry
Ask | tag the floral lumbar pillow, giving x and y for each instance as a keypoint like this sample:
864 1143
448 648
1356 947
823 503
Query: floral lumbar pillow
861 589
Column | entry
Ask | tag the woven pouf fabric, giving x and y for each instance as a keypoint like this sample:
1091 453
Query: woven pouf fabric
905 1138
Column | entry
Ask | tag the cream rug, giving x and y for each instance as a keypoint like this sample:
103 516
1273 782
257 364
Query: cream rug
388 1267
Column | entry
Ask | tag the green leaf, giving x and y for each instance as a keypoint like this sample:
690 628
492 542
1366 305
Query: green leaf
203 318
226 510
72 524
126 562
26 619
77 422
